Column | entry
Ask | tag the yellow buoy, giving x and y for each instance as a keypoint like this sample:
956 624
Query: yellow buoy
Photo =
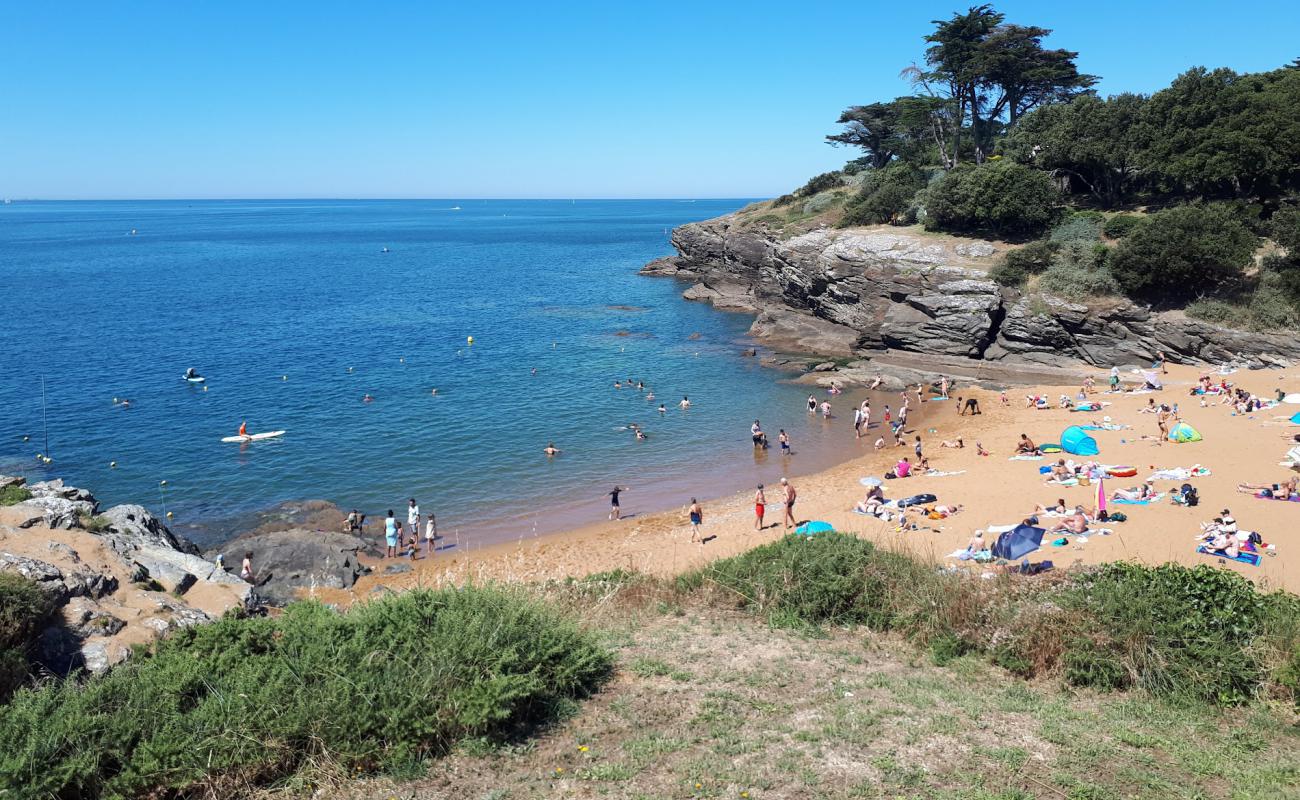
169 515
402 360
112 465
469 339
47 460
27 438
284 377
205 388
162 483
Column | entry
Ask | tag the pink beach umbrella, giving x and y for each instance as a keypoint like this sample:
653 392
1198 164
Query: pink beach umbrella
1101 495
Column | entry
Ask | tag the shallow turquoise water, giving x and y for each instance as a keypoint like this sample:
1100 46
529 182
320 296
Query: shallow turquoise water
293 313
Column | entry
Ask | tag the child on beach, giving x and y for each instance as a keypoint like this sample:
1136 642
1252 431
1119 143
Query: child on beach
760 506
430 534
697 516
784 439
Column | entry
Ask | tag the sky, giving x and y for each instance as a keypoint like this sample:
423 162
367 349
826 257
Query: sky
234 99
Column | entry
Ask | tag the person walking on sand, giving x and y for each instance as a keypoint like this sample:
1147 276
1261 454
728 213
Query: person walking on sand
615 512
696 516
391 534
760 506
430 534
917 448
1161 362
246 569
790 496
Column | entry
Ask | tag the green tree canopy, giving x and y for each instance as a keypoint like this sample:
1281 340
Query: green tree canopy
1181 253
1000 198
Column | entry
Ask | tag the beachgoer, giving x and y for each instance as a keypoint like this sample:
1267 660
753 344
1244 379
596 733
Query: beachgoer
976 543
1279 491
812 404
1026 446
697 517
943 387
686 402
243 427
979 449
880 443
391 534
246 568
756 433
917 448
789 496
887 414
430 533
959 444
551 449
902 469
413 518
760 506
826 409
614 511
353 522
784 439
1076 523
662 410
1160 362
1003 396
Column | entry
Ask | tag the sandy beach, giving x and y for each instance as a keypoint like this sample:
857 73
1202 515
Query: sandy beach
993 490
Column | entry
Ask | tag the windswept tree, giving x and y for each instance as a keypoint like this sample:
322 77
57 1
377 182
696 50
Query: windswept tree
902 128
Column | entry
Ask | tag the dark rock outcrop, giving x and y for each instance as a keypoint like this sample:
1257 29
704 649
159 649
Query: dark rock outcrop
286 561
864 291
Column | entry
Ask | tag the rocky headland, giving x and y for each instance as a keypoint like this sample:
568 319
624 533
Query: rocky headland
120 577
890 294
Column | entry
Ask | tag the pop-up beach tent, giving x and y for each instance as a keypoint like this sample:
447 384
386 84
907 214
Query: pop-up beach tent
1076 441
1182 432
1019 542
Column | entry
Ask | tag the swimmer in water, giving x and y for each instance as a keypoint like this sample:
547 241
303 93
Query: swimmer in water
640 386
686 402
551 449
433 391
618 385
534 370
662 410
640 435
650 396
367 398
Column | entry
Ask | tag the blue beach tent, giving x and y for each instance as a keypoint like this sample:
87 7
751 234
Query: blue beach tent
1296 418
810 528
1076 441
1018 542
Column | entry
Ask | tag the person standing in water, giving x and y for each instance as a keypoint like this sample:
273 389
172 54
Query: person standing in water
760 506
430 533
614 511
697 517
784 439
413 519
812 404
686 402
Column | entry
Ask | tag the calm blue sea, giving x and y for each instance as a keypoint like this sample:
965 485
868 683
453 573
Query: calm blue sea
293 312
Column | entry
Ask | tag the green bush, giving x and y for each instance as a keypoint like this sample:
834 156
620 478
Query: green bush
1081 226
13 495
1017 265
24 612
1171 630
246 701
886 196
1181 253
783 200
1079 269
1219 312
1284 228
820 183
1002 198
1272 307
1121 225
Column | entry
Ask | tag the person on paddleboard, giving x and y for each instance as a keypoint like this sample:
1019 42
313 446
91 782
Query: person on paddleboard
243 428
191 374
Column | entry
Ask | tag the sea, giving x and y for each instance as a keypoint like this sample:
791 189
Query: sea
336 321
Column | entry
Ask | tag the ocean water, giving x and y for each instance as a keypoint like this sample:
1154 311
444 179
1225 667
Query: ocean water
294 313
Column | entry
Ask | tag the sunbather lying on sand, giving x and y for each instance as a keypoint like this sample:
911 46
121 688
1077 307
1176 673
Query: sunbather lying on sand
1282 490
1075 523
1058 508
957 444
1144 492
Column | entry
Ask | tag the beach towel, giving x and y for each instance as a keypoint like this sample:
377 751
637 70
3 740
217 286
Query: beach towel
1252 559
1023 457
1261 496
1121 501
934 473
1179 473
1064 481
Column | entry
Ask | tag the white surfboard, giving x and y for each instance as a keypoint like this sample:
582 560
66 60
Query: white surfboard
198 379
253 437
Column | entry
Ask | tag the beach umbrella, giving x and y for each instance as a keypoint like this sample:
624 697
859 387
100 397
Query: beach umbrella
1101 495
1018 542
816 526
871 480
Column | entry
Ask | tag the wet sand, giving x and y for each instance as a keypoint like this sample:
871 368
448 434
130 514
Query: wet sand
993 489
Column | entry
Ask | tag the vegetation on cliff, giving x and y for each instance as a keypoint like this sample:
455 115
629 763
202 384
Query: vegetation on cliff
1004 137
24 613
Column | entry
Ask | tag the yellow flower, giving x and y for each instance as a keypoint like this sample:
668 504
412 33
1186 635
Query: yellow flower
582 748
744 794
559 770
699 786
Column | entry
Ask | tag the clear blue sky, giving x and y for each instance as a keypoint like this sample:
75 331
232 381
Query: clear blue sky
171 98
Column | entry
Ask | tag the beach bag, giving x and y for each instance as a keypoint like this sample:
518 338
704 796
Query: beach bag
1190 496
1255 538
1117 516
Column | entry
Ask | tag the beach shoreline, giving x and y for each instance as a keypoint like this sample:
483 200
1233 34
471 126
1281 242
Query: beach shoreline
993 489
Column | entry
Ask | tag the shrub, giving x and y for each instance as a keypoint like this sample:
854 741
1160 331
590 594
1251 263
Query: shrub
1121 225
886 196
24 613
1079 270
1210 310
1004 199
820 183
1017 265
249 700
13 495
783 200
1271 306
857 165
1081 226
1284 228
1172 630
1183 252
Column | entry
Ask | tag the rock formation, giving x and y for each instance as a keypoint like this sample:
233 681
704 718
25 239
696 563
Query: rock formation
861 292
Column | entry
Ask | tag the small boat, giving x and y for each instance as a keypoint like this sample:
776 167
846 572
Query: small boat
253 437
455 208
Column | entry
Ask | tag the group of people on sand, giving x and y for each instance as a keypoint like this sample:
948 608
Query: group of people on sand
1222 536
399 539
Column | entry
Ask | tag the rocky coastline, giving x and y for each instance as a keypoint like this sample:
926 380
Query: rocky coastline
880 293
119 577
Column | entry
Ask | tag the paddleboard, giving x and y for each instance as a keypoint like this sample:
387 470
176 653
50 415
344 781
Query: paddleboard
254 437
199 379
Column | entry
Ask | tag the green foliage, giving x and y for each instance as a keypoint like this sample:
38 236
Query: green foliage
1183 252
1272 306
783 200
886 196
1017 265
1079 267
1223 134
250 700
24 612
13 495
1209 309
1002 198
1081 226
1121 225
820 183
1172 630
1284 228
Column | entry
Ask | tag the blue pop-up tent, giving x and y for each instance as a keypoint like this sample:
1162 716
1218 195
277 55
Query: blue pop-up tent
1018 542
1075 440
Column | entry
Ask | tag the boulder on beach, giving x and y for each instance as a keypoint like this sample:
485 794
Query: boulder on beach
285 562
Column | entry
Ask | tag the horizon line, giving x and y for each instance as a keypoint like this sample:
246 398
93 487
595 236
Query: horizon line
682 198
